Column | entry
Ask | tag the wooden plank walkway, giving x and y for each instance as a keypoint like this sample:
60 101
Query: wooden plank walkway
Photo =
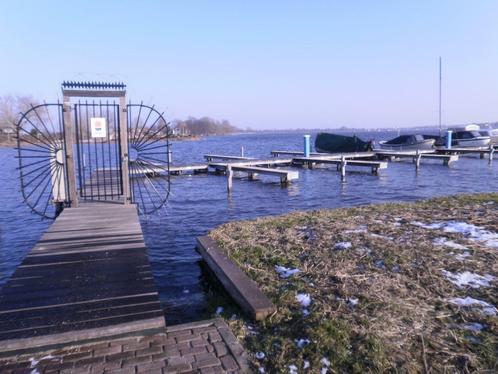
211 157
88 277
328 155
416 157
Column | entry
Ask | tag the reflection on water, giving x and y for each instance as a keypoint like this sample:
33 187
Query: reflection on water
200 203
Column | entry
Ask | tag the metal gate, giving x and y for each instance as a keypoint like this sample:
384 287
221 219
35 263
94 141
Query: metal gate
98 153
93 150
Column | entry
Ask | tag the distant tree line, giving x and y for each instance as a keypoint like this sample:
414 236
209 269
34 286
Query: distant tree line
203 126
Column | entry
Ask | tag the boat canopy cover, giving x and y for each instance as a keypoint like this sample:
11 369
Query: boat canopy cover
472 127
333 143
406 139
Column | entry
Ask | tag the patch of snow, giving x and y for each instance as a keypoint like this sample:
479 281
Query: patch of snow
33 361
285 272
219 310
292 369
486 308
306 312
462 256
474 232
449 243
359 230
342 245
306 364
381 236
353 301
262 370
325 362
260 355
429 226
364 251
301 343
467 278
489 203
473 326
304 299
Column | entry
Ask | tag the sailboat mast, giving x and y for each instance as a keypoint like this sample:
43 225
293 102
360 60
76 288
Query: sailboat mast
440 129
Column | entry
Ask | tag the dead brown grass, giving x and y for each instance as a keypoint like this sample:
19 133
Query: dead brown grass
402 321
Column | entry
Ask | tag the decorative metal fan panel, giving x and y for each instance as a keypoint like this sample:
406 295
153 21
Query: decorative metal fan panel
41 153
149 156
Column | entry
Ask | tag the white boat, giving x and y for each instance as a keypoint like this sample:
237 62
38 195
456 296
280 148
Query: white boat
408 143
491 132
470 136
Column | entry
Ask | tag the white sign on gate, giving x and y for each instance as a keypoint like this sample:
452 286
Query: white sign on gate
99 127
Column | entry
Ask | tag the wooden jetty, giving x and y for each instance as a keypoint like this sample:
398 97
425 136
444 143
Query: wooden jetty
326 155
211 157
417 156
252 171
481 151
88 277
342 163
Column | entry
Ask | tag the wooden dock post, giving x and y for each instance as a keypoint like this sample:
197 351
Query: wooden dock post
491 154
418 156
229 173
343 168
69 161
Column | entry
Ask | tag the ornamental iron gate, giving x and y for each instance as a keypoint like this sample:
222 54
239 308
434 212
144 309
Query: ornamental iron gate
99 167
96 149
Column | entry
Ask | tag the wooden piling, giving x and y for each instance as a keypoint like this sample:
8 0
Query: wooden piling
343 168
229 173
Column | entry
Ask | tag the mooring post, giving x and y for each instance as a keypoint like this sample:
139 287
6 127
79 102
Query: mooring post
229 173
418 157
242 151
343 168
307 146
491 153
170 155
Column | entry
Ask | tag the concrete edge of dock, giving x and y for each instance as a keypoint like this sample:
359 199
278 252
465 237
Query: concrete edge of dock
239 286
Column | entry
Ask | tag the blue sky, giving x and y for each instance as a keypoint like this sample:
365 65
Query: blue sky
264 64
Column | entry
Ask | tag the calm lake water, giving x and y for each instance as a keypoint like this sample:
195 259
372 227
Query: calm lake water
199 203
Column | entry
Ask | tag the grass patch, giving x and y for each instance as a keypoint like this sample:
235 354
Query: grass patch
381 304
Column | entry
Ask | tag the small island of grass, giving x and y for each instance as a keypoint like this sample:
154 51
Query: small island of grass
392 287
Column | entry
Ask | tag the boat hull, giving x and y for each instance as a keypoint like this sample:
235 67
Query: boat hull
472 143
425 145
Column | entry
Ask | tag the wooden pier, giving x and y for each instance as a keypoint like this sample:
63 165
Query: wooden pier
342 163
211 157
88 277
328 155
416 157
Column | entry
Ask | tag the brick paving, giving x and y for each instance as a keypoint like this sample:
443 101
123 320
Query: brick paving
199 347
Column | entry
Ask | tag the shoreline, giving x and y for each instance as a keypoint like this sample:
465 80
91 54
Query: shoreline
408 286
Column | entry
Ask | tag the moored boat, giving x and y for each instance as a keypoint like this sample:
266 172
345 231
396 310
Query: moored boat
470 136
408 143
334 143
